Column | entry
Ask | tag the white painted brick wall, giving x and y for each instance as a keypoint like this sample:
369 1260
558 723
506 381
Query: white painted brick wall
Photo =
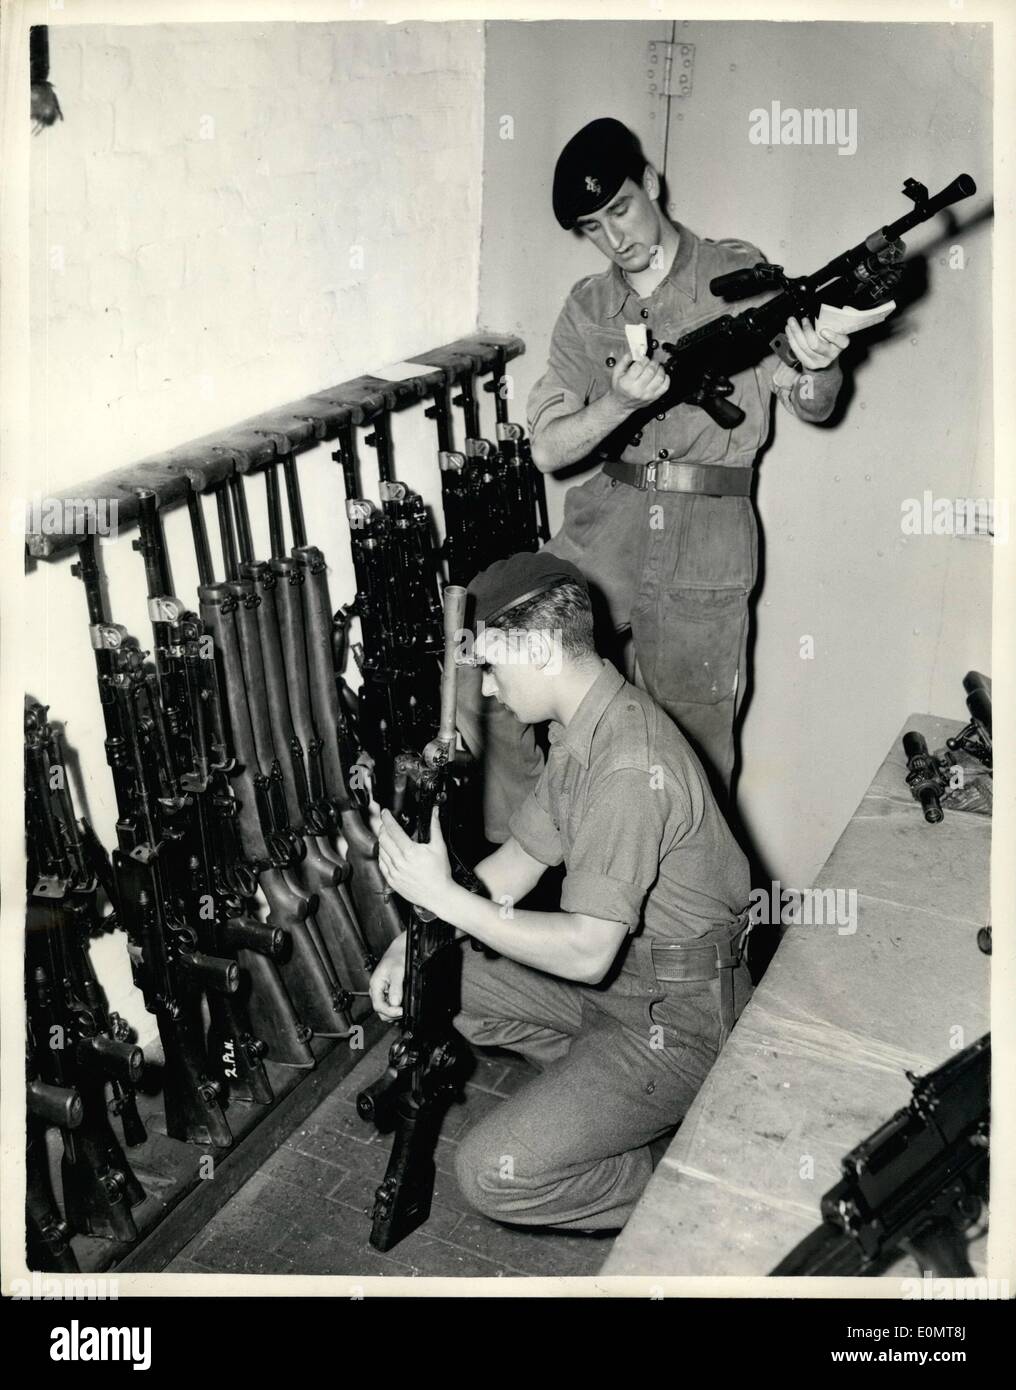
192 219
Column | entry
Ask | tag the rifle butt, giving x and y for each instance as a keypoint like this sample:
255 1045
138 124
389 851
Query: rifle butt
99 1186
339 927
402 1202
272 1015
306 972
47 1234
190 1096
236 1053
376 909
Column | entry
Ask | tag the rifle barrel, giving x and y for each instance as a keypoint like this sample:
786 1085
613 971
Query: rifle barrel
454 616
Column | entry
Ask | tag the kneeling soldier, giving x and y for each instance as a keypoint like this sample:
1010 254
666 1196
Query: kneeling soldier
624 997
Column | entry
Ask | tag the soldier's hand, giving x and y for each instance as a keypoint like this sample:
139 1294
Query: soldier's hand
387 980
634 384
420 873
813 349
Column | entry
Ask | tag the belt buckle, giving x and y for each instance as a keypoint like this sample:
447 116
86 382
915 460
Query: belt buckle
650 475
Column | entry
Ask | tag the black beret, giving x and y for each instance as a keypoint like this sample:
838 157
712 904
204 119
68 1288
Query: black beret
592 167
507 583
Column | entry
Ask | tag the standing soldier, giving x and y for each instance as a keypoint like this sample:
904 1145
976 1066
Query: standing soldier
665 528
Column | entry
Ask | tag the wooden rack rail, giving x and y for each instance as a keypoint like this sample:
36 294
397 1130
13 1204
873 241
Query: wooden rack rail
276 433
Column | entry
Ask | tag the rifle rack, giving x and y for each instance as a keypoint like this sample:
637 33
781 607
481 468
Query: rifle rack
277 433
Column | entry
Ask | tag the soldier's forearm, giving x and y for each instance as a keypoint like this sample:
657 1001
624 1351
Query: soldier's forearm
814 394
570 438
558 942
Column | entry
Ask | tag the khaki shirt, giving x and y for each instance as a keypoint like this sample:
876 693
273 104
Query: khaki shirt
590 329
624 804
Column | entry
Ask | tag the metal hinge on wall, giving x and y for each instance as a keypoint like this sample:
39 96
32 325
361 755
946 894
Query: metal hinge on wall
671 68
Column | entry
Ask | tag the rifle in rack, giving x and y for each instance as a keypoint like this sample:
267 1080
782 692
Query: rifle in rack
168 964
473 521
230 612
423 1065
78 1049
361 889
492 495
701 363
524 482
320 872
397 604
214 881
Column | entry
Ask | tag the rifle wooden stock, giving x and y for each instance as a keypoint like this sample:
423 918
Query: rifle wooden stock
378 917
290 754
216 608
271 1012
376 909
323 926
306 976
249 638
325 709
324 876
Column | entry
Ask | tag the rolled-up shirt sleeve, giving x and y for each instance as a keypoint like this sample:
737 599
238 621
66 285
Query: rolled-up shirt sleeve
808 395
565 386
533 826
615 858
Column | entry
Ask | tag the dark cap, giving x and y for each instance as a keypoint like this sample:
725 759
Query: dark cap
592 167
507 583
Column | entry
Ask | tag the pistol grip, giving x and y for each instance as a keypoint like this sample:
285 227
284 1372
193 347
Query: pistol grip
726 415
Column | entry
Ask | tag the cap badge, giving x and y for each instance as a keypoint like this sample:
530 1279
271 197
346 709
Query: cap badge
593 185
